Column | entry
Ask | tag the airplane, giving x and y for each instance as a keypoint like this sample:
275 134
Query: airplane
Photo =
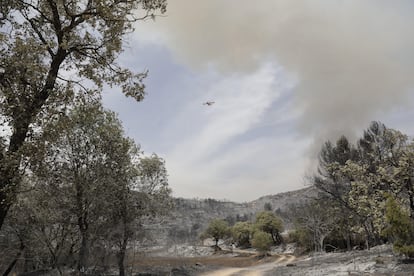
208 103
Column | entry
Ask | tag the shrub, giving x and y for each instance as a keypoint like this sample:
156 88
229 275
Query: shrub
241 233
400 227
262 241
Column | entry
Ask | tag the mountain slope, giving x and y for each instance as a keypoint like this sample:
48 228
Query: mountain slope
191 216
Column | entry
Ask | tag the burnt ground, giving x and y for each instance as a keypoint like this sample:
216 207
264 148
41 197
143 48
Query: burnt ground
378 261
197 265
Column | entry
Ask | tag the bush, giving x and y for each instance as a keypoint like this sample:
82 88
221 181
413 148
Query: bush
400 227
217 229
241 233
270 223
302 237
262 241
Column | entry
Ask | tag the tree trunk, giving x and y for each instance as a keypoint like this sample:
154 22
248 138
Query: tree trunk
83 226
121 258
8 184
4 207
124 242
83 253
348 242
412 205
20 124
321 242
410 196
13 263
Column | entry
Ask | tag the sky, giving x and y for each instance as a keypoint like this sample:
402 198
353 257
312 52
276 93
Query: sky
284 75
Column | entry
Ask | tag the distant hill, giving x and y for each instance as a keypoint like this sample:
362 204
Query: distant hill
191 216
280 202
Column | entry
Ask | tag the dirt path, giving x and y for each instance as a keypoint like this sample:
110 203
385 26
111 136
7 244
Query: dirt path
256 270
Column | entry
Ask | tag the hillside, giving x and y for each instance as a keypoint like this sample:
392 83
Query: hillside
191 216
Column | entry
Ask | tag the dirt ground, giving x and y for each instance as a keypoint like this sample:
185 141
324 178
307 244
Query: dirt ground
377 261
199 265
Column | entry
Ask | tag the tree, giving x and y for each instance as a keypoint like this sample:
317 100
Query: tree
146 195
42 43
269 223
242 232
153 186
83 161
319 219
39 226
403 176
358 177
331 159
262 241
217 229
400 227
123 207
302 237
88 192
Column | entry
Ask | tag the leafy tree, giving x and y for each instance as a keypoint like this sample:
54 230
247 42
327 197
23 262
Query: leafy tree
149 196
89 188
153 186
84 163
316 220
242 232
358 178
217 229
400 227
402 177
302 237
269 223
39 226
331 159
364 200
381 146
377 172
44 42
123 208
262 241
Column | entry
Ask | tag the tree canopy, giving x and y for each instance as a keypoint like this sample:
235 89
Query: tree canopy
47 51
268 222
217 229
356 180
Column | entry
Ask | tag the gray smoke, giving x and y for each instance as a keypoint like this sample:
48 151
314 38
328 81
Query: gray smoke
353 59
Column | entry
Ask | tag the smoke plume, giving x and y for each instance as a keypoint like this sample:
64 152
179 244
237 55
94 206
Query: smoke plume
353 59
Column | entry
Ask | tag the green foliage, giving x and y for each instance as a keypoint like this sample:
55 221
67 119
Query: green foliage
400 227
315 221
242 232
80 167
217 229
88 189
269 223
85 152
152 184
50 51
357 177
262 241
302 237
